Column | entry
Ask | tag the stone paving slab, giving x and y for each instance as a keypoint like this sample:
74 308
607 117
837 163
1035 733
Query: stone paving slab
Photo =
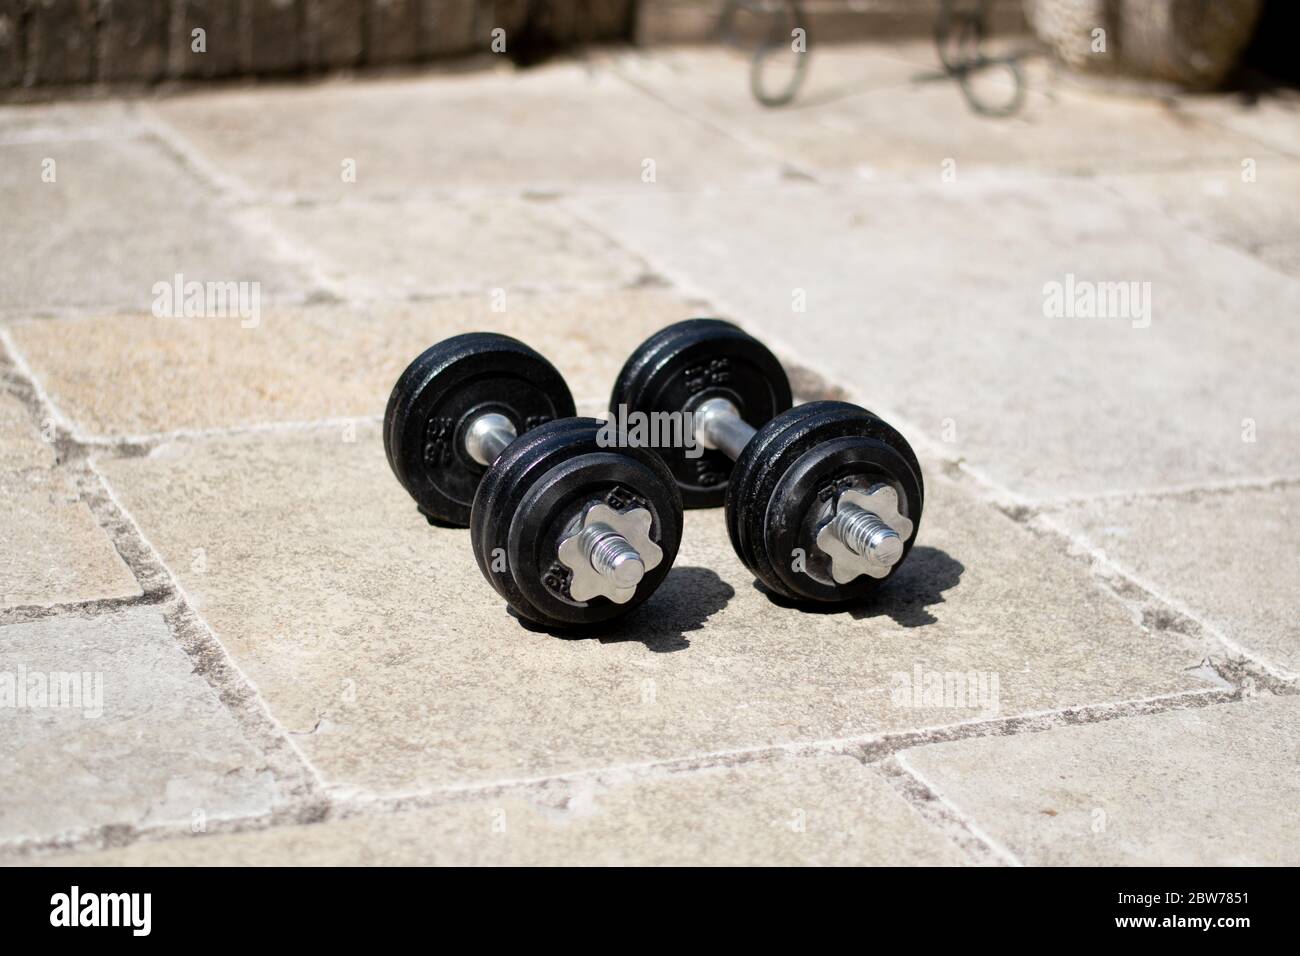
892 114
1175 546
1283 256
552 129
118 217
257 501
149 743
54 122
1272 119
53 549
1253 207
1210 786
313 363
715 81
333 595
371 250
930 301
819 811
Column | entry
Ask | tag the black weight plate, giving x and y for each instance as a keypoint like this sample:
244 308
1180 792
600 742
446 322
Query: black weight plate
834 464
745 508
506 482
749 467
789 466
684 364
536 488
446 388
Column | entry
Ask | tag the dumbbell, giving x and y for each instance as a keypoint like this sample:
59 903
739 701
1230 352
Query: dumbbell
822 501
480 431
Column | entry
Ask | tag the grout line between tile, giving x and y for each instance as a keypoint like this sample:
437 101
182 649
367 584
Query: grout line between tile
177 145
160 587
870 749
46 406
756 146
255 221
1002 853
939 815
1081 543
1187 489
149 440
211 659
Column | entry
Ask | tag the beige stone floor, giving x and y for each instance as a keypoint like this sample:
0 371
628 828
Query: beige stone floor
291 666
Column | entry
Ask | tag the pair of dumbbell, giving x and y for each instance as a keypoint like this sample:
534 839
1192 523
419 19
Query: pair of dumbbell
822 501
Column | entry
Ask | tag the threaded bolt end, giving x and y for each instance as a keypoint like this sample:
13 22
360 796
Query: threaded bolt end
866 535
612 556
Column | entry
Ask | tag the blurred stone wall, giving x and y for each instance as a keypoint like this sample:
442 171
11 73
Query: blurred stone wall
51 42
56 42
